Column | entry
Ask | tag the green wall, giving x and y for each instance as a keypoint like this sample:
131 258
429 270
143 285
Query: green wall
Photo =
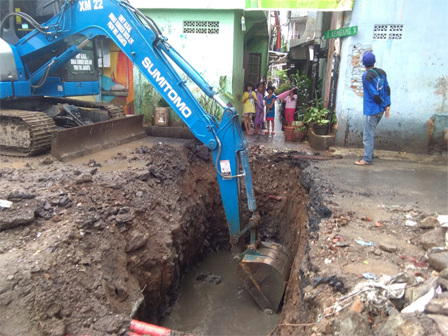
212 55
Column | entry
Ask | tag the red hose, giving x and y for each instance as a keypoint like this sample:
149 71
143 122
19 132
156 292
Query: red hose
149 329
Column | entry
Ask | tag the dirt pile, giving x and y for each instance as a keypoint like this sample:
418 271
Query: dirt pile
82 250
97 245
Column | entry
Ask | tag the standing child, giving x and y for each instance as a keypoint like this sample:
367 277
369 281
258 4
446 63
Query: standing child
259 113
290 106
249 100
270 108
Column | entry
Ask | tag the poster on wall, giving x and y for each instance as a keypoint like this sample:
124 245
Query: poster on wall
312 5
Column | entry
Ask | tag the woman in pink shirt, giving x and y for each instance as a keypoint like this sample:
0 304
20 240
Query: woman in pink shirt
290 107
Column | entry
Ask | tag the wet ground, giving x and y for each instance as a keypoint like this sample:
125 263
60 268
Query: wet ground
393 179
417 182
222 309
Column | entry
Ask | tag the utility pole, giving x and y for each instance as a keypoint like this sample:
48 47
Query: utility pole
315 66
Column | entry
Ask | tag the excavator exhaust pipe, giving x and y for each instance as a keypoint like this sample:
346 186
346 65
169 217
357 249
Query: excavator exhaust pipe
265 274
76 142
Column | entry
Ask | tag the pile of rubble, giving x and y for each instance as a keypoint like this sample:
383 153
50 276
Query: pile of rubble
413 302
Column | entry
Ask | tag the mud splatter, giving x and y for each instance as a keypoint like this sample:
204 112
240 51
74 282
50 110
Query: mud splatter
441 86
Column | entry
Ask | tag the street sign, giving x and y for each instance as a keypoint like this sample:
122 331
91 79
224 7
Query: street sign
329 34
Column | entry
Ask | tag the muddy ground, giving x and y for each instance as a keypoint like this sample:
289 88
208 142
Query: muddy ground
85 247
88 245
390 205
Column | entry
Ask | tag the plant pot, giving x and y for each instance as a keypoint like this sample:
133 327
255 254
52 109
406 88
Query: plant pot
289 130
162 116
320 129
299 136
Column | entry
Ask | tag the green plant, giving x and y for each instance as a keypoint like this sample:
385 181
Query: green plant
284 48
302 82
300 129
210 105
162 103
281 74
317 114
286 81
149 100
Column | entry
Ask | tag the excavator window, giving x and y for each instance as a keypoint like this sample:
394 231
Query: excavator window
38 9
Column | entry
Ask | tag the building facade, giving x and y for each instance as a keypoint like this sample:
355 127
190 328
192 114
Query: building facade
408 40
210 36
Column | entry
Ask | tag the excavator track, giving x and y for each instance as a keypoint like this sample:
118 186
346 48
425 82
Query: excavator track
30 132
25 133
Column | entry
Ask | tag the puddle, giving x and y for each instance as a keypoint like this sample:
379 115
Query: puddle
14 164
222 309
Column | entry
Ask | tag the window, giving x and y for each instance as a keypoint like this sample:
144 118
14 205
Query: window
254 68
201 27
388 32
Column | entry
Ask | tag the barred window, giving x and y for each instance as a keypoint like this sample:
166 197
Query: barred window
201 27
388 32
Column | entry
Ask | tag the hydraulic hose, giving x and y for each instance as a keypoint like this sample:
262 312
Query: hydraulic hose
44 77
26 17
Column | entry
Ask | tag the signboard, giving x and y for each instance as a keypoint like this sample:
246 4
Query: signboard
348 31
312 5
226 171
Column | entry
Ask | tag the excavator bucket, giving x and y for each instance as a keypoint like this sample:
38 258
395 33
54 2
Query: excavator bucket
76 142
265 274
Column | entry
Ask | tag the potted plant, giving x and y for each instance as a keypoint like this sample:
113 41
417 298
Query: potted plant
162 113
317 117
288 130
210 105
299 133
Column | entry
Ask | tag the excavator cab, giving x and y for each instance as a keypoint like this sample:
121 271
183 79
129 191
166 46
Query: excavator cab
46 117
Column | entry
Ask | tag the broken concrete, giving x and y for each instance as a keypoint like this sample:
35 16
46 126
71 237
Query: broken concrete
408 324
429 223
387 247
433 238
442 322
439 261
437 306
19 214
352 324
444 273
84 178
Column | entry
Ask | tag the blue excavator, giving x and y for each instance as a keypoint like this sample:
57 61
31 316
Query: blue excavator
35 78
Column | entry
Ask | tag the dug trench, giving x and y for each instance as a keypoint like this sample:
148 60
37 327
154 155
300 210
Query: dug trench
84 249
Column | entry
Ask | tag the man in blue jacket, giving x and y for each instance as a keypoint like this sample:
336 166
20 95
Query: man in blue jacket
376 103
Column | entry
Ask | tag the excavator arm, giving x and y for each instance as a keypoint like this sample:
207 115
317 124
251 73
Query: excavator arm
264 267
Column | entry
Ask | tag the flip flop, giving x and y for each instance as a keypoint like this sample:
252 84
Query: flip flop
272 133
362 163
266 132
